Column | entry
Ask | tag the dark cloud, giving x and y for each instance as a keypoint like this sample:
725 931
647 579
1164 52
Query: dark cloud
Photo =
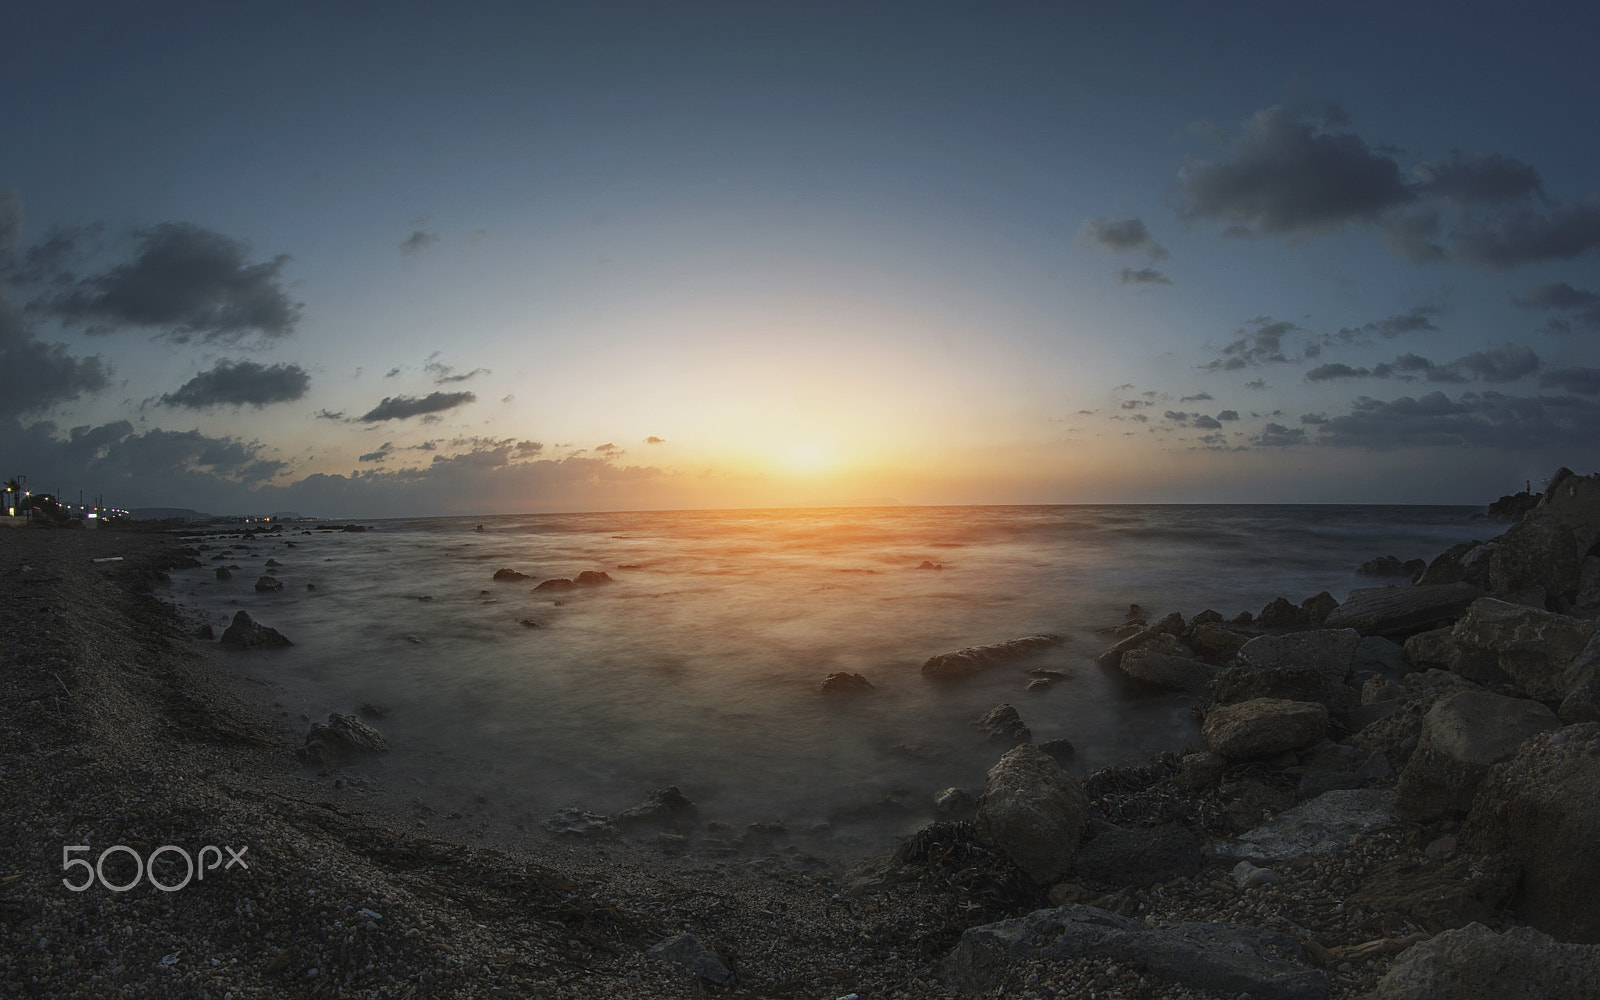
239 383
418 241
1324 373
403 407
1203 422
609 450
34 375
1583 381
652 439
1562 297
187 281
1124 236
382 454
1134 404
1488 419
1256 383
1293 175
1313 418
1279 436
1260 343
1177 416
1196 398
444 374
1143 276
1506 363
1228 415
1525 235
329 415
1476 180
1411 321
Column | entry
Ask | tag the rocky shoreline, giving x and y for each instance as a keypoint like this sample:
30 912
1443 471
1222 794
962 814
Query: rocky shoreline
1396 797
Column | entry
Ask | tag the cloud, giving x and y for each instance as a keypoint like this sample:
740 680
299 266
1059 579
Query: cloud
187 281
1505 363
329 415
404 407
1412 321
1143 276
1524 236
1562 297
240 383
1476 180
1313 418
1228 415
1261 345
34 375
10 223
1583 381
1196 398
1123 236
1279 436
1203 422
378 456
418 241
444 374
652 439
1488 419
1177 416
1324 373
1134 404
1257 384
1293 175
609 450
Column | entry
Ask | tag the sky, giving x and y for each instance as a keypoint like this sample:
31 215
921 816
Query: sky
397 259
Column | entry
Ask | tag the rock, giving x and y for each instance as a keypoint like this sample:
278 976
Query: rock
1513 506
1327 651
1060 750
666 807
1534 648
1239 684
976 659
1403 611
1475 963
1379 688
1463 735
1439 895
1431 649
1582 703
559 583
1318 607
930 564
1179 673
1283 615
1140 857
246 633
205 632
1538 559
1465 562
1317 828
1264 727
223 574
1216 641
1542 807
1034 811
1357 719
1170 625
1201 770
530 623
273 564
955 804
578 824
1248 876
1225 958
1441 849
840 682
590 578
700 961
1379 655
268 583
1002 724
510 575
1391 566
343 739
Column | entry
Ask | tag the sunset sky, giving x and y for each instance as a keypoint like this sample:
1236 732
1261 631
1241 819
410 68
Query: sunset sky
368 260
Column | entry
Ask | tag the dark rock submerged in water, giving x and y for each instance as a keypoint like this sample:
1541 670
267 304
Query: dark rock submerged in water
246 633
840 682
976 659
508 575
268 583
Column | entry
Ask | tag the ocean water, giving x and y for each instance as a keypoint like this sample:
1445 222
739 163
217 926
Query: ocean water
699 664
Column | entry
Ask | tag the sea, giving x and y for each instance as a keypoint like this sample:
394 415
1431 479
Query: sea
699 663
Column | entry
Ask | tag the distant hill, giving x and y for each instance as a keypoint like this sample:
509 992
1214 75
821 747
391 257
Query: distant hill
168 514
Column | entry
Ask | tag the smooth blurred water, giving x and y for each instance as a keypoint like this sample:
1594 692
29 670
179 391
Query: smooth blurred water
699 665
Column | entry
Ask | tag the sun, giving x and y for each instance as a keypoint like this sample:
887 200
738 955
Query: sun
807 457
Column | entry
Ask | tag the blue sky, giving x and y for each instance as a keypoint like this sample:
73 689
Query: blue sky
386 259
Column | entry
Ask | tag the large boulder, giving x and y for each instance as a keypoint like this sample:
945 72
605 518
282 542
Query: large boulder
1463 735
1403 611
663 807
1439 895
247 633
1034 811
1539 559
1225 958
1542 807
1536 649
843 682
1002 724
1171 625
1264 727
976 659
1140 857
1328 651
1314 829
1216 641
1236 684
343 739
1180 673
1475 963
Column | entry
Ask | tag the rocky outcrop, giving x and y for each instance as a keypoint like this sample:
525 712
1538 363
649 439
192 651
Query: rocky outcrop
1215 641
1475 963
1167 670
1317 828
1463 735
1171 625
955 804
1034 811
840 682
1238 684
1226 958
1403 611
663 807
246 633
345 738
1327 651
577 824
268 584
1002 724
1542 807
976 659
591 578
1264 727
1536 649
